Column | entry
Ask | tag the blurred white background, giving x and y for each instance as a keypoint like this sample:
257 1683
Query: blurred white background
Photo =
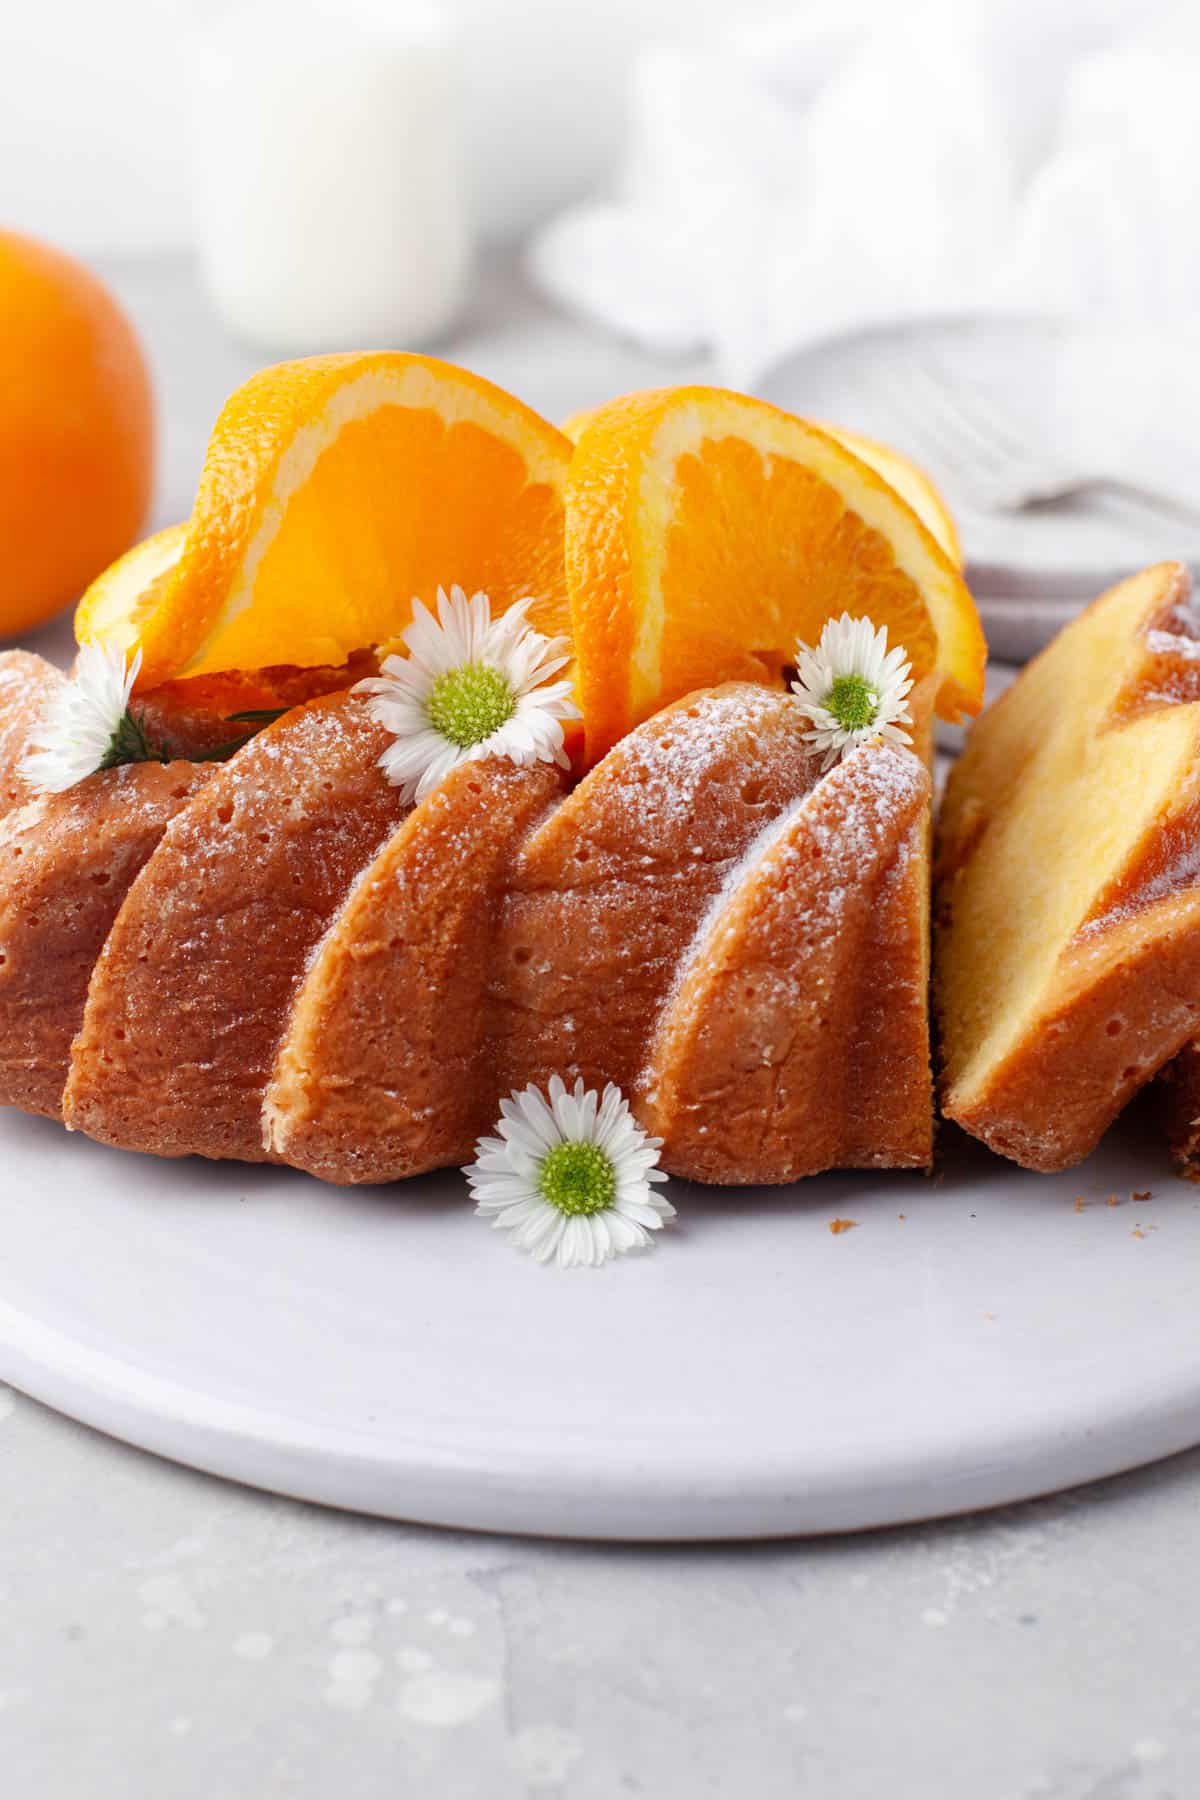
778 169
771 192
93 113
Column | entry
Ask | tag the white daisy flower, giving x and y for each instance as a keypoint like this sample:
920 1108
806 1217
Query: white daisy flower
470 686
853 688
570 1175
88 725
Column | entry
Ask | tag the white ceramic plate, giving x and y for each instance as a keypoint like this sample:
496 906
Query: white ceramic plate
756 1374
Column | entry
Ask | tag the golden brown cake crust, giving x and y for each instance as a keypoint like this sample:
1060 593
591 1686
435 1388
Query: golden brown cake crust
752 1073
66 864
890 1122
386 1068
500 938
27 684
1050 1101
1117 993
192 989
392 973
607 895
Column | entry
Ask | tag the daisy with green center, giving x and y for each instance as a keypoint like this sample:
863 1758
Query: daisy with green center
570 1175
88 725
853 688
470 686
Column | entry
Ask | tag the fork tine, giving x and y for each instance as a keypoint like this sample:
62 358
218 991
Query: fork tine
938 435
987 452
982 419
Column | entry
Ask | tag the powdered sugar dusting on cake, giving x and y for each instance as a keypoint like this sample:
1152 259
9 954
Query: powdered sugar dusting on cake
1178 626
607 893
243 882
1176 876
774 1000
667 766
887 784
1170 673
1168 643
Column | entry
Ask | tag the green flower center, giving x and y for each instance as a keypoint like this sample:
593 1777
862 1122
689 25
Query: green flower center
853 702
578 1178
466 705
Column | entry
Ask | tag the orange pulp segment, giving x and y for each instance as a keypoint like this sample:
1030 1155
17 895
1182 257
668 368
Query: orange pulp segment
334 491
708 533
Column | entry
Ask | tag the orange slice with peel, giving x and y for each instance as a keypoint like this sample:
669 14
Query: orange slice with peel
707 533
334 491
118 603
911 483
899 471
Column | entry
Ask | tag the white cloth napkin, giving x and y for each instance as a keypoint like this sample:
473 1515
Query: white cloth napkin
843 166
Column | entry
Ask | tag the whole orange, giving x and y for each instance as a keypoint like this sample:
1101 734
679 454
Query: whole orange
76 431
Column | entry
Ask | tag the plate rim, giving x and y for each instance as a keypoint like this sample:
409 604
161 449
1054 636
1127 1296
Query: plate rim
511 1493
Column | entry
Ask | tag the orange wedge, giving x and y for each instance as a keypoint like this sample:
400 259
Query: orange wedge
334 491
707 533
118 603
574 425
910 482
900 472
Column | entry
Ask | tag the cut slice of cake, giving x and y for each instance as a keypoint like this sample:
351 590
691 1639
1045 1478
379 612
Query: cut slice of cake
759 1070
506 933
679 924
27 684
66 864
1067 964
193 987
384 1067
291 963
608 893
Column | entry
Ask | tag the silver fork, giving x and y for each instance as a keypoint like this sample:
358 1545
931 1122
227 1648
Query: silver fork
994 469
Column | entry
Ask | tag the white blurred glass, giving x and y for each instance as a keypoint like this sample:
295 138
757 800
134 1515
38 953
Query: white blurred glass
329 202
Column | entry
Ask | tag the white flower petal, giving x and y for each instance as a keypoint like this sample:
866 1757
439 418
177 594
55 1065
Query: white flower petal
505 1178
624 1234
438 767
463 633
548 1241
852 647
74 736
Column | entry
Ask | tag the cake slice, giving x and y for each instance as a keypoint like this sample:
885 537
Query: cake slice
384 1068
1067 965
670 927
27 684
505 934
757 1071
191 991
66 864
274 957
607 894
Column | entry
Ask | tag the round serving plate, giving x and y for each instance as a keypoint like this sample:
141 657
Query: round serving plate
976 1338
